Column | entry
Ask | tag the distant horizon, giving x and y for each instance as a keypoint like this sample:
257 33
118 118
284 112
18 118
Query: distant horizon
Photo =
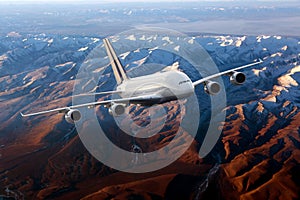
247 3
133 1
105 18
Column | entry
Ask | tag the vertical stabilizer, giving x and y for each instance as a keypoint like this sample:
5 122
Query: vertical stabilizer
116 65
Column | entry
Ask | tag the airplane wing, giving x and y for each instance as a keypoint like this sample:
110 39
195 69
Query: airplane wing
59 110
134 100
203 80
97 103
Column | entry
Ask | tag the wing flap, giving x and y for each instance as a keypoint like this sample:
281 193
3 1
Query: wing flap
98 93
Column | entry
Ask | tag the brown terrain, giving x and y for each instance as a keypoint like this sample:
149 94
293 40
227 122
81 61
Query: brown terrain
257 156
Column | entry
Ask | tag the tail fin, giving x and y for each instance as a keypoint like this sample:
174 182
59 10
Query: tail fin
117 67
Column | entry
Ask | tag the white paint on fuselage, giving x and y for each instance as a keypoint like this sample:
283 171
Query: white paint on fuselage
165 84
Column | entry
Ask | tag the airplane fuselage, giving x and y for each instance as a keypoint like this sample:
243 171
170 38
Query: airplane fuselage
167 86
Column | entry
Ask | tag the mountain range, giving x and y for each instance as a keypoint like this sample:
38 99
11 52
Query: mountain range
256 157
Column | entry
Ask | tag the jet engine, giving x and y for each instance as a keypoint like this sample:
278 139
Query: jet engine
212 87
117 109
73 116
237 78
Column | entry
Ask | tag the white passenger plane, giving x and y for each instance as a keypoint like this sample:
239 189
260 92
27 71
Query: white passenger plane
172 85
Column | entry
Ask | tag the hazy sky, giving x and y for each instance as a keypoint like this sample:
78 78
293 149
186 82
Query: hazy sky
111 1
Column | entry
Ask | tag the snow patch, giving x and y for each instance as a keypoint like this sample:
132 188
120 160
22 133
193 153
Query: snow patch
286 104
177 48
173 67
276 54
143 37
34 89
95 40
276 92
115 39
260 107
262 37
52 84
191 41
258 71
14 34
295 70
227 43
287 80
64 64
102 11
50 41
284 48
83 49
2 59
153 49
240 41
140 62
28 84
167 39
124 55
131 37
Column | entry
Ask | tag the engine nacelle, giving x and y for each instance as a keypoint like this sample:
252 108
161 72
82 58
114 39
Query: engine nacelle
73 116
237 78
212 87
117 109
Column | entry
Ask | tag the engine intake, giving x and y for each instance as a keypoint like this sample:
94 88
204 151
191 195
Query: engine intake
117 109
237 78
212 87
73 116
